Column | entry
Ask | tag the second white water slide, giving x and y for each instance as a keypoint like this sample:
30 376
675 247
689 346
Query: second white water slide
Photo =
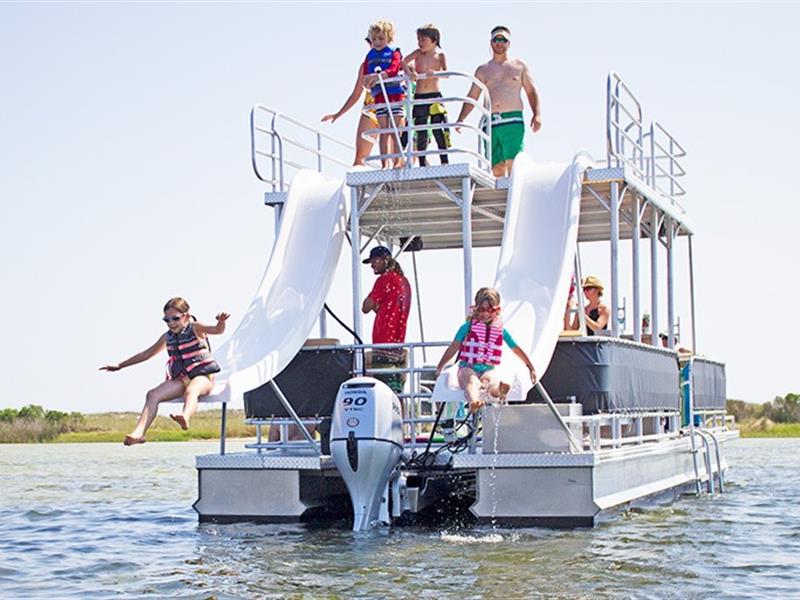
292 291
535 266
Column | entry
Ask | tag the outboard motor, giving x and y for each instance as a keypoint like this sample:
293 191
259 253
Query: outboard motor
366 445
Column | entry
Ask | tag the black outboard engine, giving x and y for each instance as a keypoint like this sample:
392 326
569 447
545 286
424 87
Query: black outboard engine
366 445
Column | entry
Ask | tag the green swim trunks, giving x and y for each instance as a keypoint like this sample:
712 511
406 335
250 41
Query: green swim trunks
507 138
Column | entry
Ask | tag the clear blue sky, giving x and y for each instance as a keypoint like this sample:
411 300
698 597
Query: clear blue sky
125 175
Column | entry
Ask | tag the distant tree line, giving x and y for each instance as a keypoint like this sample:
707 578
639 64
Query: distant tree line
783 409
34 423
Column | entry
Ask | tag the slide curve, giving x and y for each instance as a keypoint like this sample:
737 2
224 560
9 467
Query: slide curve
537 258
292 291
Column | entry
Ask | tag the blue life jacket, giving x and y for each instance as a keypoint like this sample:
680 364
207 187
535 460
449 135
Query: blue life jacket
383 59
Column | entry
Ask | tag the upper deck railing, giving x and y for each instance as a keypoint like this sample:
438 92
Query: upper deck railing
481 156
279 142
281 145
649 150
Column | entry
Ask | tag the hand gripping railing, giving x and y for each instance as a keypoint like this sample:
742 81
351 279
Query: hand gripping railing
264 131
482 154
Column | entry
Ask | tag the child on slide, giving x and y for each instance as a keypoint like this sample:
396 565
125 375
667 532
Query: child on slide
479 344
190 368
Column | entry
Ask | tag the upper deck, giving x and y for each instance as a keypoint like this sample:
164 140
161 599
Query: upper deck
426 202
641 174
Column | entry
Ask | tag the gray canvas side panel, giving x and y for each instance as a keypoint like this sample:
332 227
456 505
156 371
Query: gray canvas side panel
310 383
708 384
605 374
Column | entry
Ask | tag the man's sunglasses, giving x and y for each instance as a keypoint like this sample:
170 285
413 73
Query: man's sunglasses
500 39
171 319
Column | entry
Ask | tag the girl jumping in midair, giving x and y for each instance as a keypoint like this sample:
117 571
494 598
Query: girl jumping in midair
479 344
190 369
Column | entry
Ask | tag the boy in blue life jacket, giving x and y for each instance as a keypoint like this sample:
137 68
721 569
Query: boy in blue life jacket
387 61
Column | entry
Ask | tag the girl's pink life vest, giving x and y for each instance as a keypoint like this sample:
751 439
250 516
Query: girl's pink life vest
188 355
483 344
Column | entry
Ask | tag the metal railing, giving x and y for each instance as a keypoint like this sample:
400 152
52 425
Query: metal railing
651 152
418 409
616 430
299 146
663 161
482 155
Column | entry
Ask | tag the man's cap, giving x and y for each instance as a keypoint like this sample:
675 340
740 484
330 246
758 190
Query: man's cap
378 252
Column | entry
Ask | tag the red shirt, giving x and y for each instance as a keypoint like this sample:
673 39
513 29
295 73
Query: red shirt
392 294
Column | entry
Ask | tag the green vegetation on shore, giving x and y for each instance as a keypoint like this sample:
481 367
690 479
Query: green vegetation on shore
34 424
778 418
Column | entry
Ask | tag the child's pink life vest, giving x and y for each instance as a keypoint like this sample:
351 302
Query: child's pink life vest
483 344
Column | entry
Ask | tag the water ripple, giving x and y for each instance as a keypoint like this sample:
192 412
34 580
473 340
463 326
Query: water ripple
93 530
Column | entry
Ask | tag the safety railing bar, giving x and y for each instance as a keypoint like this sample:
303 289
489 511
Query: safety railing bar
669 135
279 115
639 146
630 93
633 118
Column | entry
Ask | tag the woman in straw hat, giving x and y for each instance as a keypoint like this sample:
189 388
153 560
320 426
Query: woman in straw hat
597 314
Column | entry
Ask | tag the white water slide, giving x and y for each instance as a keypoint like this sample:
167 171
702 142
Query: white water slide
535 266
292 291
533 275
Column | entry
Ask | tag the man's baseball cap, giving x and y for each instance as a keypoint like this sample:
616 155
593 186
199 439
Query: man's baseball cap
378 252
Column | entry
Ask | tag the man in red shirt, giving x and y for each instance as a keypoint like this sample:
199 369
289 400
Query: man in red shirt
390 299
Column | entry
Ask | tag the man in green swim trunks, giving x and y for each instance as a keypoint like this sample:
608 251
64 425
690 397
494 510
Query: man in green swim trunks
505 78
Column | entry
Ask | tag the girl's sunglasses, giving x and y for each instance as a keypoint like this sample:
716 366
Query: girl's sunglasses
488 309
171 319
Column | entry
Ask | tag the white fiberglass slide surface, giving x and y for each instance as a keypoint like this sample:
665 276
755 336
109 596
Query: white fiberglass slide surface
535 266
292 291
537 257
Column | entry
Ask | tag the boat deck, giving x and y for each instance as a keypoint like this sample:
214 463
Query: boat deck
399 204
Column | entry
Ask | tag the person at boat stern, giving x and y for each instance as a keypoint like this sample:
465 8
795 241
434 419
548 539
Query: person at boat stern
385 61
597 313
479 345
426 60
190 368
505 78
390 300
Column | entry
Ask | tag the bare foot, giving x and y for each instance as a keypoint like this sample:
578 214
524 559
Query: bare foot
475 406
503 388
180 421
130 440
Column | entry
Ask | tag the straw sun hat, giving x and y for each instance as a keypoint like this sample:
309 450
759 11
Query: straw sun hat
593 282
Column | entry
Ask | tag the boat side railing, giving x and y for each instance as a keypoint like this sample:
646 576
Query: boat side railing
716 418
409 154
279 142
605 431
650 151
419 412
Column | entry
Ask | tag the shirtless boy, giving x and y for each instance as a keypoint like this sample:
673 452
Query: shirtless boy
426 60
505 77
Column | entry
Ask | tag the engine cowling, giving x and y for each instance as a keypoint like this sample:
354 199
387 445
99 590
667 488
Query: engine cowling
366 445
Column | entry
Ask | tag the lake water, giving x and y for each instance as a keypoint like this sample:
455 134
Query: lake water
102 520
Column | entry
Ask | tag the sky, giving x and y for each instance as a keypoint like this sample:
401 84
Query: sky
125 174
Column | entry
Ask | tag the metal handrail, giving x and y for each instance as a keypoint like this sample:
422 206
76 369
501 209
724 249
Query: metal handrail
672 170
653 155
279 141
620 98
482 103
